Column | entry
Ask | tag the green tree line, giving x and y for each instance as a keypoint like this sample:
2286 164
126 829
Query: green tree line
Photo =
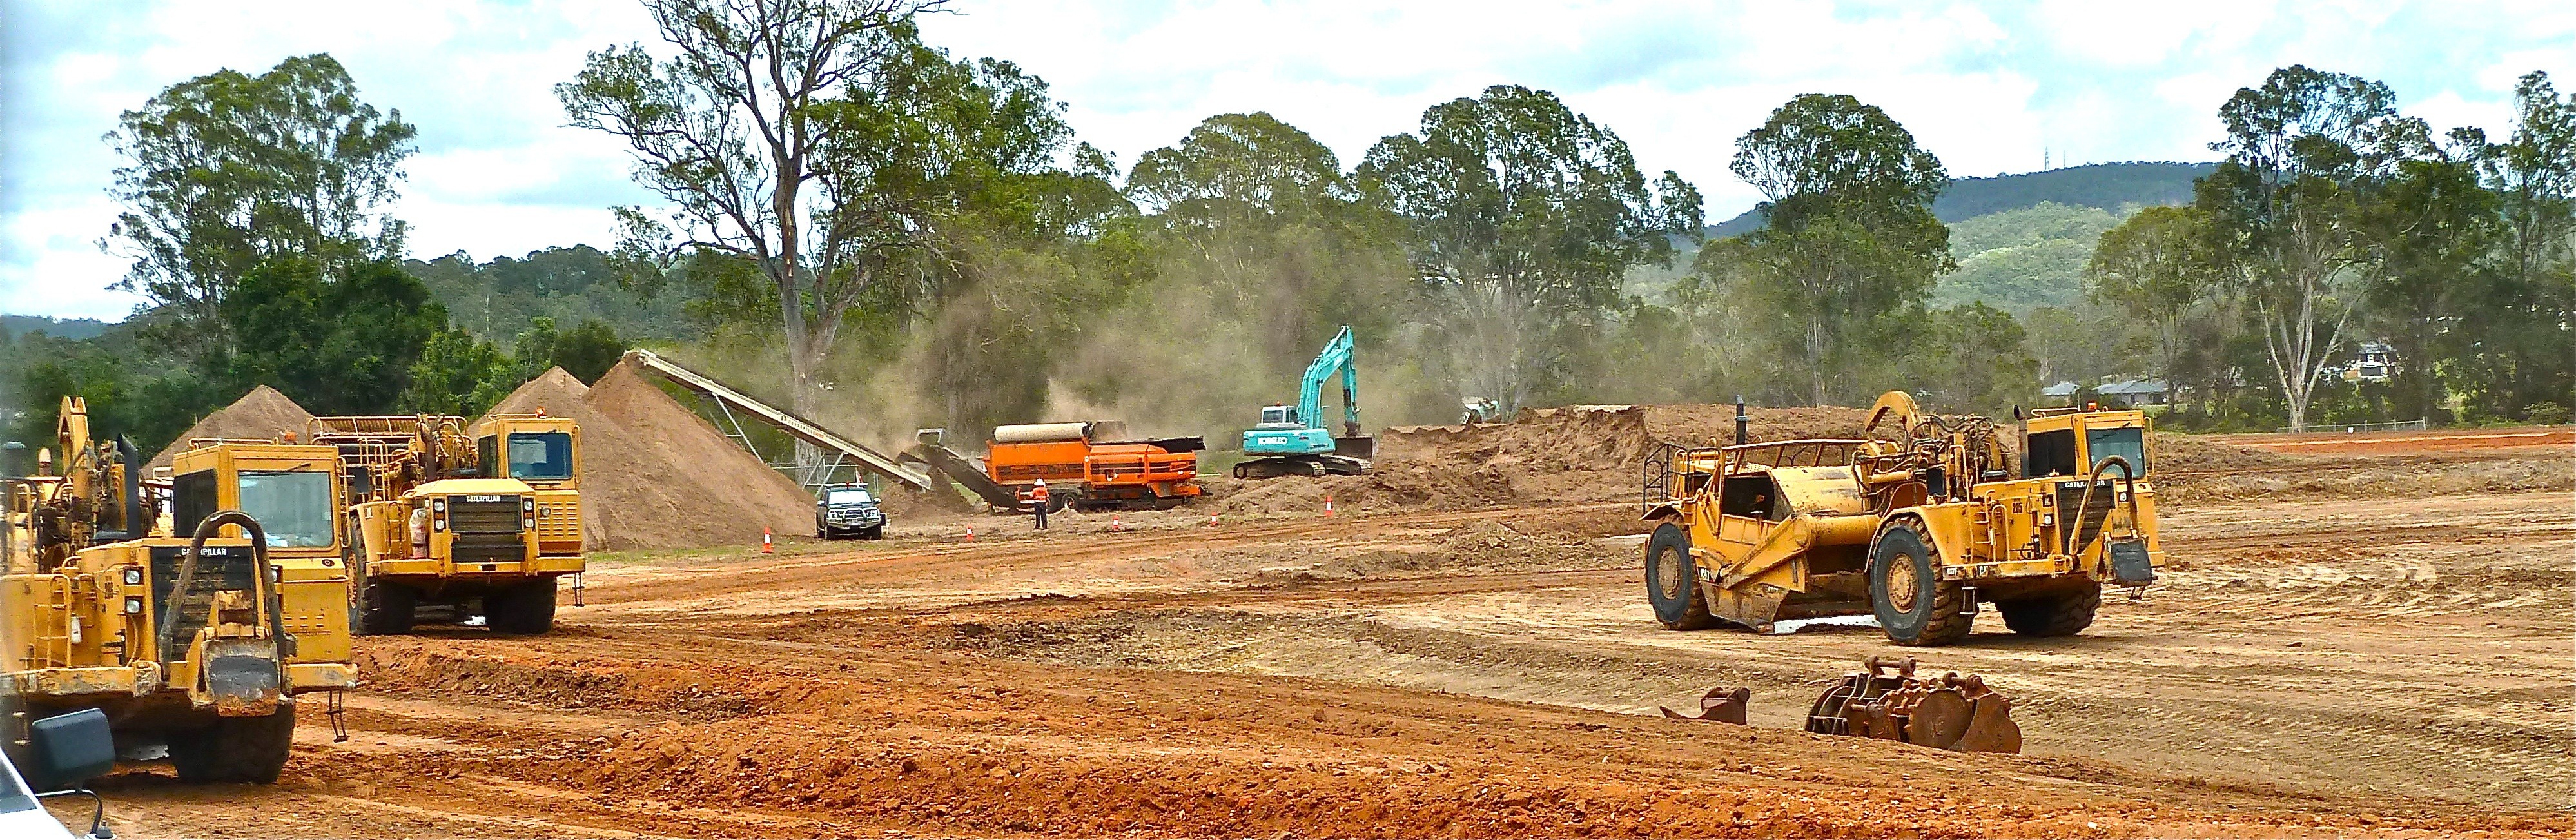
887 236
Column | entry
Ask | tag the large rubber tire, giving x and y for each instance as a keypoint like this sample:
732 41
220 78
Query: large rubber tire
385 609
236 749
2057 614
876 533
524 609
1934 612
1672 581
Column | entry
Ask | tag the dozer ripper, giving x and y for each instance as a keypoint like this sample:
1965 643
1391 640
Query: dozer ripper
1916 522
1293 439
199 645
448 522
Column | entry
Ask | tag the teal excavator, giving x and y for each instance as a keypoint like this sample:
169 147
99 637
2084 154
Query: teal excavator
1293 439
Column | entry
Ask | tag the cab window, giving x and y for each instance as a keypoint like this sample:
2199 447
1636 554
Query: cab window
847 496
2130 444
1750 495
487 454
2049 453
293 507
192 499
541 456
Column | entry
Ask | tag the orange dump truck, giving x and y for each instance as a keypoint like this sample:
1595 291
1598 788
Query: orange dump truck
1087 467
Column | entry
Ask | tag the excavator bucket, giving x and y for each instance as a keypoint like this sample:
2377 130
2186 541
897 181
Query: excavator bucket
1948 712
1721 704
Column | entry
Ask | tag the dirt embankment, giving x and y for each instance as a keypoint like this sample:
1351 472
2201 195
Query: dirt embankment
1569 455
1591 454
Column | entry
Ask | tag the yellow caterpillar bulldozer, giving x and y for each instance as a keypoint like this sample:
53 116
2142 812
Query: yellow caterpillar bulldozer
449 521
1916 522
196 646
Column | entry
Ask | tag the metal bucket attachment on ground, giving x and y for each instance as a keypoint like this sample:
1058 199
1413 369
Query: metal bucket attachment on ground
1721 704
1948 712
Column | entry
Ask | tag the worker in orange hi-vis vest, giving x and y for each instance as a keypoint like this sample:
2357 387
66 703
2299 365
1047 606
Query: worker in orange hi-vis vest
1038 494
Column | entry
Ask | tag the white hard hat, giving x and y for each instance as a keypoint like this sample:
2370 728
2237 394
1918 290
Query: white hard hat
1041 482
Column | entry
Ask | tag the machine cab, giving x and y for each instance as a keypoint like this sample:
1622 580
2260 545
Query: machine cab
1279 417
545 453
533 448
2069 443
299 497
294 491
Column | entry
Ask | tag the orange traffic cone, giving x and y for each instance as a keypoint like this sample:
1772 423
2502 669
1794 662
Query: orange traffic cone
1328 505
1113 521
1211 520
970 533
766 547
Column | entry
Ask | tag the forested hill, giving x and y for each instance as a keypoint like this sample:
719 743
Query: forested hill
71 328
2106 186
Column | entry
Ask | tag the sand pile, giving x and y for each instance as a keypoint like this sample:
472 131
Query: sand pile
656 475
262 414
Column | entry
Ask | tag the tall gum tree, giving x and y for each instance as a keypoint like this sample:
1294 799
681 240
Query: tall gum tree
228 170
2528 315
2285 207
1848 234
730 130
2158 269
1524 215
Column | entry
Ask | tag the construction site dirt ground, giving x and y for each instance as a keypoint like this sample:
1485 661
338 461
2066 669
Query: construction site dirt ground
2346 659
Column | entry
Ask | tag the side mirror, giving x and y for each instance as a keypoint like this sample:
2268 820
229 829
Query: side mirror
70 749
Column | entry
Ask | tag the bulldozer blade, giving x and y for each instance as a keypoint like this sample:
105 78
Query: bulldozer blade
1990 727
1937 719
1720 704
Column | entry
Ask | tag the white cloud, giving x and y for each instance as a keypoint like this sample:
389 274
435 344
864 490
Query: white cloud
1985 86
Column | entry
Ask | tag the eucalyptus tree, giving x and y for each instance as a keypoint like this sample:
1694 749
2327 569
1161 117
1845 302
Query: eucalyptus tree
1522 216
1848 235
2158 268
2527 317
226 171
732 127
2285 207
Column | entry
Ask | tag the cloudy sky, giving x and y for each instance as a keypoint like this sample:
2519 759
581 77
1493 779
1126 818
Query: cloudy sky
1989 87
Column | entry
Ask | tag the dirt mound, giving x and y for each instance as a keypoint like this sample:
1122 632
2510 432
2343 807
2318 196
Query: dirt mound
553 391
2192 453
1390 485
1573 437
1573 454
655 475
1714 425
262 414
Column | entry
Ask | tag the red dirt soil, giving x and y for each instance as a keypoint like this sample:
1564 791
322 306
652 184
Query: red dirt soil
2407 442
2383 665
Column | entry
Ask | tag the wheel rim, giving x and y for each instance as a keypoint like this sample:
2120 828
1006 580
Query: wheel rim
1900 582
1668 572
